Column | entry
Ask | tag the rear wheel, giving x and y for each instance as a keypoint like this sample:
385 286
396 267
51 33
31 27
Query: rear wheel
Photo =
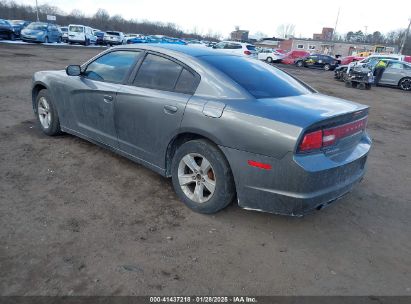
202 177
46 39
12 36
405 84
269 59
47 114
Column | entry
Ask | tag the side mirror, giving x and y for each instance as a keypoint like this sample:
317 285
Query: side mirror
73 70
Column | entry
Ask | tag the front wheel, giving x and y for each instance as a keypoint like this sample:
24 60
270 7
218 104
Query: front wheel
327 67
299 63
269 59
47 116
405 84
202 177
12 37
46 39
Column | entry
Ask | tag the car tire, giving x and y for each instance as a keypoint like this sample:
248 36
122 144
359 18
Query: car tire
60 40
12 37
215 181
46 113
299 63
269 59
46 39
405 84
327 67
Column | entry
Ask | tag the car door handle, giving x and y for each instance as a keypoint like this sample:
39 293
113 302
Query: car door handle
170 109
108 98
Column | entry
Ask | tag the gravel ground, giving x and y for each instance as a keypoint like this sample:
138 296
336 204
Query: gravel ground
76 219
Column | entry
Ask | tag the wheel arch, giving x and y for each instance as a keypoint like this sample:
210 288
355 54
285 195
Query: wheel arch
37 87
182 138
406 77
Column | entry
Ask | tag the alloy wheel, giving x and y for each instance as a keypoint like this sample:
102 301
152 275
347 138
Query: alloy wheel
196 177
43 110
406 84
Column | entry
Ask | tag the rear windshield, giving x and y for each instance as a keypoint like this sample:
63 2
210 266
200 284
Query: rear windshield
63 29
260 79
113 33
76 29
250 47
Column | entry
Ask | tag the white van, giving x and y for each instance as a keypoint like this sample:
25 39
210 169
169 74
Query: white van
80 34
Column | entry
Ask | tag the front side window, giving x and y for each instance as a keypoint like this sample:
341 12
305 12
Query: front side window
157 72
396 65
111 67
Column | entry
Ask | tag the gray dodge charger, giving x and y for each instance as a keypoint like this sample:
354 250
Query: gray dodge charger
221 126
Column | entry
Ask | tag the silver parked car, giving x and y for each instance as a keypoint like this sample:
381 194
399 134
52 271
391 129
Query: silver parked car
397 73
222 126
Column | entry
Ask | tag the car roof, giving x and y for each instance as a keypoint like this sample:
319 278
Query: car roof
185 49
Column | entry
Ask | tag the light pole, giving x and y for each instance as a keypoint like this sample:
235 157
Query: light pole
405 37
37 11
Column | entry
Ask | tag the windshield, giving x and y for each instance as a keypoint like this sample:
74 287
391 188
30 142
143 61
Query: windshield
17 22
76 29
37 26
260 79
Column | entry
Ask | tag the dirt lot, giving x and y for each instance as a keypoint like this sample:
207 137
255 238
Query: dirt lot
77 219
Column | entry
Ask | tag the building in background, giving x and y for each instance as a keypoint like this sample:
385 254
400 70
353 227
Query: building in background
332 48
239 35
326 34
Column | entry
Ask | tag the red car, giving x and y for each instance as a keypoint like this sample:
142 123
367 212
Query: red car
349 59
293 55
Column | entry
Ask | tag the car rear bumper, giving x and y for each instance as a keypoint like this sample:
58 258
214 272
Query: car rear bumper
295 185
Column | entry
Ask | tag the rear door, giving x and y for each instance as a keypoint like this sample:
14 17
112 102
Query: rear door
93 96
150 108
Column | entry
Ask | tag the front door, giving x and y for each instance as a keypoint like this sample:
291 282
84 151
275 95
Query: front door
93 98
149 111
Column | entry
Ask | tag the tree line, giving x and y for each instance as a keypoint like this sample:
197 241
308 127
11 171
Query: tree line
100 20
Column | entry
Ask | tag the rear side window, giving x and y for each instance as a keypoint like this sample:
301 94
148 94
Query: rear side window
187 83
232 46
111 67
261 80
157 72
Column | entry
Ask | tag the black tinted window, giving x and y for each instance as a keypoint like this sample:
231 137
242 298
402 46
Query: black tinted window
250 47
187 82
260 79
111 67
158 73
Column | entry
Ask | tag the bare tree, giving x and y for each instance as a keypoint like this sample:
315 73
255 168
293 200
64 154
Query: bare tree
286 30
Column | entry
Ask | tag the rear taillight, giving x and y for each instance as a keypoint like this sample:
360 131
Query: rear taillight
247 52
312 141
327 137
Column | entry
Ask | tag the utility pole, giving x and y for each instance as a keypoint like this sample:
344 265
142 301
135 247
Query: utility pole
335 26
404 39
37 11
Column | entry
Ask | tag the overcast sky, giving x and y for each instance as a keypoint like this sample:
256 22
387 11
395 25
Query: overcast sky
257 16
